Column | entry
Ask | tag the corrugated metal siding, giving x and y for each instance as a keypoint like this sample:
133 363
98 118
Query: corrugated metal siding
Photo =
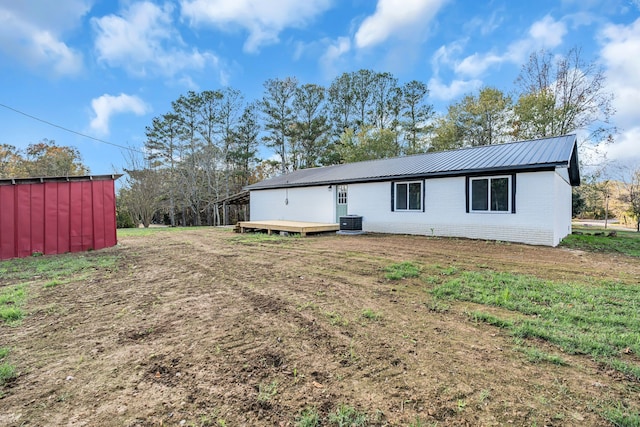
548 152
54 217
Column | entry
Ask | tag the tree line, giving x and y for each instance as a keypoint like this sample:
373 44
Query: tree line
207 146
40 159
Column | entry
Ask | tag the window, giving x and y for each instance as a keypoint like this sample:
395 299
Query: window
342 194
491 194
408 196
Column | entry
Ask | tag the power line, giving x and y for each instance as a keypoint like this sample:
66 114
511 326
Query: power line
70 130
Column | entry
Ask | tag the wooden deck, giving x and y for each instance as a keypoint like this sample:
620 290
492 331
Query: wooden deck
290 226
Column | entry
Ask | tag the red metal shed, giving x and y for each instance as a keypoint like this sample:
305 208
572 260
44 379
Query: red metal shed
57 215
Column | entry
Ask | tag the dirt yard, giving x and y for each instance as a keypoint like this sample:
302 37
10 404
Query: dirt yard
207 327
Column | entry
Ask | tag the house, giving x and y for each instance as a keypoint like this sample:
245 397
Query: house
56 215
517 192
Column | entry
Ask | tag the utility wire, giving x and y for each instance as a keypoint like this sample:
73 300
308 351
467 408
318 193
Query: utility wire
70 130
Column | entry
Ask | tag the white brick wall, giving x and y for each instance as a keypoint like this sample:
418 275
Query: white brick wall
543 209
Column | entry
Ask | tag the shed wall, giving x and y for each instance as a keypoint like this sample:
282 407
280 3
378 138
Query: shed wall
56 217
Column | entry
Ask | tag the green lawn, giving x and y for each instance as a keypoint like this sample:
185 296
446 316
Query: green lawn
625 242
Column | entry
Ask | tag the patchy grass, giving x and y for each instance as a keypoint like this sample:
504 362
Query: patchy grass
601 320
53 270
142 232
626 242
370 314
535 355
621 416
11 301
260 238
347 416
308 418
55 267
402 270
7 370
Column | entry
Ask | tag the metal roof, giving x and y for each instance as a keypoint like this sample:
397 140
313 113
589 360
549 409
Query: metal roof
538 154
40 180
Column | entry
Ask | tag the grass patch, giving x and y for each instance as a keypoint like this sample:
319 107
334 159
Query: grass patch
308 418
347 416
267 391
7 371
52 283
620 416
11 300
55 267
336 319
401 271
258 238
535 355
478 316
370 314
140 232
628 369
600 320
53 270
626 242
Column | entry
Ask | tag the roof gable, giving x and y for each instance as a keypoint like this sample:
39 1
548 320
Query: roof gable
547 153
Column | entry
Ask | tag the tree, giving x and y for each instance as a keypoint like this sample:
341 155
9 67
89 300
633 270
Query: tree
386 101
10 162
632 196
279 117
447 132
162 147
369 143
362 86
41 159
189 174
231 109
416 115
142 193
311 126
474 121
45 158
244 150
560 95
341 104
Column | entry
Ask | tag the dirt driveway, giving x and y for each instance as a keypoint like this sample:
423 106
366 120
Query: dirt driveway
206 327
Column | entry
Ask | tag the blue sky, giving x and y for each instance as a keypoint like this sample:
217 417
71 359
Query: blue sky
106 68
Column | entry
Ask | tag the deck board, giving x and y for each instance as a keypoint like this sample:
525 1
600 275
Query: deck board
290 226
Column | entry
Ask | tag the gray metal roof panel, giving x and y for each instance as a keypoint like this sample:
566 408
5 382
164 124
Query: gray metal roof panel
547 152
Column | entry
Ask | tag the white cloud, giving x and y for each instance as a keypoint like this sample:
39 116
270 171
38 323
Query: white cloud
620 55
483 25
31 31
445 55
334 52
264 20
441 91
546 33
398 18
105 106
143 40
626 148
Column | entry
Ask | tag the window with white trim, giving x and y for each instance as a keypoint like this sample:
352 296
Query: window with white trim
408 196
342 194
491 194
